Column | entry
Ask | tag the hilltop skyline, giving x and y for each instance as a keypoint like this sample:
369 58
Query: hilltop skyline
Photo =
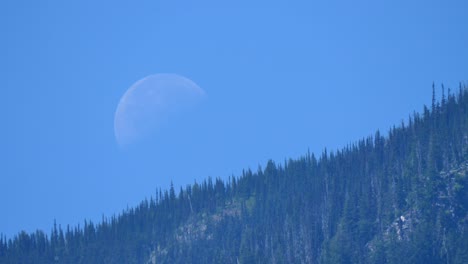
280 79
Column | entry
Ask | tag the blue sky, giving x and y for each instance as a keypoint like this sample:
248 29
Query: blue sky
280 78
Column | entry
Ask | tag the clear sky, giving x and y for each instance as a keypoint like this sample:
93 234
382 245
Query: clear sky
280 78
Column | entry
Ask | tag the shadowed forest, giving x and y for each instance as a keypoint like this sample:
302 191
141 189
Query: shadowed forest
401 197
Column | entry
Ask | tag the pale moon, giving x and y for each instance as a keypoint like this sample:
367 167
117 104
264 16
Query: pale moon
151 102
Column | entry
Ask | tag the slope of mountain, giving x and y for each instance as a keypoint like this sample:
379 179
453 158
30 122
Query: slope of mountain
401 198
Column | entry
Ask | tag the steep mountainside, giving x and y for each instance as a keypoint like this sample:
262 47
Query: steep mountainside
402 198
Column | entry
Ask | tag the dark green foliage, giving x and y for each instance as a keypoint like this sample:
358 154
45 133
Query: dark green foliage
402 198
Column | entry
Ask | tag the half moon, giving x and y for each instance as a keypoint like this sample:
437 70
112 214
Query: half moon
150 102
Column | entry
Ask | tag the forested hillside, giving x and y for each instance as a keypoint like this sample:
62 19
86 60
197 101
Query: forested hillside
399 198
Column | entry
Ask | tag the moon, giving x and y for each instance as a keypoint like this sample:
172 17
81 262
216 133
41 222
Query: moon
151 102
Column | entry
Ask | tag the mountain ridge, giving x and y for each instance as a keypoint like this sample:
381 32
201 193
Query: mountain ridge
400 198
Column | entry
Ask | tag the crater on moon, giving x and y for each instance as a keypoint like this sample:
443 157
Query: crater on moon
150 102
